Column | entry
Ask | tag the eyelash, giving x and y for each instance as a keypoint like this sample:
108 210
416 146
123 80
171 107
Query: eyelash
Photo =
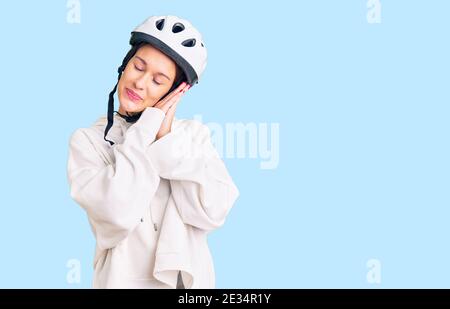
138 68
142 71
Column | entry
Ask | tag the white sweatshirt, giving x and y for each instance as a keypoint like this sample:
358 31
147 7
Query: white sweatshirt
150 203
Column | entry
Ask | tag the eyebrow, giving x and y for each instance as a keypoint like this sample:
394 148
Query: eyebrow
158 73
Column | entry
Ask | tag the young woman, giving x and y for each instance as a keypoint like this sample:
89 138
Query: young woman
153 186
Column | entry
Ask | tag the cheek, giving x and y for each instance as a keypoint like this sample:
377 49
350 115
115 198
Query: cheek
123 82
154 94
162 90
126 80
128 76
119 87
123 79
150 97
153 91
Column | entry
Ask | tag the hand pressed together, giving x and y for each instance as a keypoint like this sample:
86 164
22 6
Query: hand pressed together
168 105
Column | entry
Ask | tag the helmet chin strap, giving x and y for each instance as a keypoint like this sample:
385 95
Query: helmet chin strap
128 118
110 116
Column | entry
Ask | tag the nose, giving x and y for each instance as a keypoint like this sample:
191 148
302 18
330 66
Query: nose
141 81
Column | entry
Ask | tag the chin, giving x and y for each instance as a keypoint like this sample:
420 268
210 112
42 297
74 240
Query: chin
130 106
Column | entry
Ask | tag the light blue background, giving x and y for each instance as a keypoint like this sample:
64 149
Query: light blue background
363 112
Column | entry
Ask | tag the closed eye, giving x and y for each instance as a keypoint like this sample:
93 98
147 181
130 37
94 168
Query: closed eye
139 69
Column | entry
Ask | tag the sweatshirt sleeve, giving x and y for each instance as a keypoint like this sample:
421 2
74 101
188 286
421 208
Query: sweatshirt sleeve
202 189
115 196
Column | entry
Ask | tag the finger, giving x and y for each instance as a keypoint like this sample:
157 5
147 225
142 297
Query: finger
171 112
186 88
173 100
173 93
178 94
168 101
179 90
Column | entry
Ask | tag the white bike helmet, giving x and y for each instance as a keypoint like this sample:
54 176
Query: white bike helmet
176 38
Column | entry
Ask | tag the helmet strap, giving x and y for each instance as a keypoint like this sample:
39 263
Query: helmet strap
110 116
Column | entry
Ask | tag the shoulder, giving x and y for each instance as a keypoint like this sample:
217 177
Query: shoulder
80 137
89 134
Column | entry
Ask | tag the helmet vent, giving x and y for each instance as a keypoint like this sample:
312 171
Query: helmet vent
189 43
178 27
160 24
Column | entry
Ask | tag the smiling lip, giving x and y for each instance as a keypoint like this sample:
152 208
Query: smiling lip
133 95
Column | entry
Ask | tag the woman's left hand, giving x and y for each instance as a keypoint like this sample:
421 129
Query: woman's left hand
167 122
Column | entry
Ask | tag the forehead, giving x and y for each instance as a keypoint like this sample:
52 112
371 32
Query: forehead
156 59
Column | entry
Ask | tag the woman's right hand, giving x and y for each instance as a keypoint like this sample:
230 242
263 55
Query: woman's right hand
172 98
168 106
